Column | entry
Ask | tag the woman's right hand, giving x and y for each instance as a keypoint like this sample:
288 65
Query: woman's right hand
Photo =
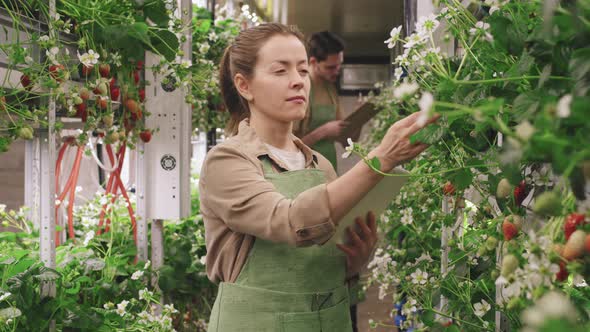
395 148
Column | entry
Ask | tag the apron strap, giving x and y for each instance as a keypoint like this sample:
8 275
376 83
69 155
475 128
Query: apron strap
267 165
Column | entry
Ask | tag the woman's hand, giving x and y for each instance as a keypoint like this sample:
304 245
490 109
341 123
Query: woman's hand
395 148
333 129
362 243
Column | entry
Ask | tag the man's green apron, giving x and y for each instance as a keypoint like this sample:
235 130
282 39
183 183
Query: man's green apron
282 288
320 114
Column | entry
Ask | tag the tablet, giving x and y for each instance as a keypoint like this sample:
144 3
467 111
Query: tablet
377 200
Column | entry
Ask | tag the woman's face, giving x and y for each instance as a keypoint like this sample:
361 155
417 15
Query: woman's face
279 88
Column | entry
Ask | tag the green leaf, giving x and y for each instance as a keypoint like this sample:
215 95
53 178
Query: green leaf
375 163
155 10
428 318
429 135
461 179
73 290
164 43
139 31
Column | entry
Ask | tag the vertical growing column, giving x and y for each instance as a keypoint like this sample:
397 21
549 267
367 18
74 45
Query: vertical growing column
47 184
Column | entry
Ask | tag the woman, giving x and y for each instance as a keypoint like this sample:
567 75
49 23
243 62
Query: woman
269 202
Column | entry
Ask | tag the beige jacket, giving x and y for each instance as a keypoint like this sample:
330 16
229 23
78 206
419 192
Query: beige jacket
238 204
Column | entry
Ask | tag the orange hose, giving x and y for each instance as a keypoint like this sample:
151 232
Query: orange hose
71 202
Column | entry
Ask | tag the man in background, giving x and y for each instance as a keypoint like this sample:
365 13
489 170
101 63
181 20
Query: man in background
323 121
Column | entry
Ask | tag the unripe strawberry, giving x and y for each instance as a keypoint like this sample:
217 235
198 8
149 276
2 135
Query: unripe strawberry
107 119
84 94
77 100
504 188
25 133
101 89
575 246
548 204
131 105
491 243
509 264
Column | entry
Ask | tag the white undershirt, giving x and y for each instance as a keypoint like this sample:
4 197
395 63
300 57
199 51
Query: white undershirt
293 160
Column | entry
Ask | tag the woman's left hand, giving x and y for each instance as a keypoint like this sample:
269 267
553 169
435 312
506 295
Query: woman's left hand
362 243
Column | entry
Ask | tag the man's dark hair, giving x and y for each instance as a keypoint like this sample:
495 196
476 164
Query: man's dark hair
322 44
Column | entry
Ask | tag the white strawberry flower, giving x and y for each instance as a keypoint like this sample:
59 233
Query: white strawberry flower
427 24
415 40
349 149
525 130
419 277
5 296
89 59
425 103
399 71
136 275
405 89
481 308
563 106
121 308
394 36
89 236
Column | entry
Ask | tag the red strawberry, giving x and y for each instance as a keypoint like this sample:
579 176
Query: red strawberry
141 94
448 189
112 82
87 70
58 72
146 136
575 246
131 105
101 103
104 69
571 223
128 124
520 193
84 94
137 116
81 112
136 76
562 274
25 81
115 92
139 65
509 229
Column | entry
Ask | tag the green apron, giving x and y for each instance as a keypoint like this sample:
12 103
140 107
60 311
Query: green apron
320 114
282 288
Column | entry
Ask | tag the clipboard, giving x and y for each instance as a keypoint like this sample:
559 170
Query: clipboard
376 200
357 120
